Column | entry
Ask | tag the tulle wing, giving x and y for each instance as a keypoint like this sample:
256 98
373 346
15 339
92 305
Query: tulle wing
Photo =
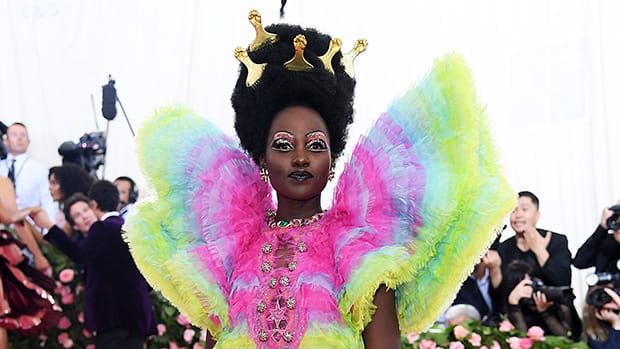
208 196
421 197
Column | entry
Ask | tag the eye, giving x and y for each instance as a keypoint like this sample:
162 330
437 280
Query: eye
316 145
282 144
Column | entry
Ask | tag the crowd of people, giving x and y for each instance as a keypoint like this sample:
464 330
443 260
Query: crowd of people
84 222
527 278
286 272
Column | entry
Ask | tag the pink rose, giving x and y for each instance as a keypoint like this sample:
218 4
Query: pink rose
475 339
506 326
64 340
64 323
496 345
161 329
460 332
80 317
65 290
484 347
182 320
86 333
198 346
79 289
173 345
526 343
203 336
514 342
412 337
427 344
188 335
457 345
536 334
90 346
67 299
66 275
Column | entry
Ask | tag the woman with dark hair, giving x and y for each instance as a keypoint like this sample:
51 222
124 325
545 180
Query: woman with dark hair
602 323
65 181
286 273
527 307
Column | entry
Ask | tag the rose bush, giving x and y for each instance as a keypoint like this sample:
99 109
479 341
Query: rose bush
475 335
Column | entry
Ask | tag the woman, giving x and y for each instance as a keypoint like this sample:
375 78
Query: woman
388 254
602 324
527 308
65 181
26 304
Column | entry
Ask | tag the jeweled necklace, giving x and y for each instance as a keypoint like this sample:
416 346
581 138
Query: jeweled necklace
295 222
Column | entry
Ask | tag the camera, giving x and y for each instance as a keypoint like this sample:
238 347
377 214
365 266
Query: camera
89 152
558 294
613 222
599 297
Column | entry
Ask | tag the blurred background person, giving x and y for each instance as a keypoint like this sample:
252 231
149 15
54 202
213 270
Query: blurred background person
29 176
128 192
117 304
601 320
528 306
65 181
26 304
602 249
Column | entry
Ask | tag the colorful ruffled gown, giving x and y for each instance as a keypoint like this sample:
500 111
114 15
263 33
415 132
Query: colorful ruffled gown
414 209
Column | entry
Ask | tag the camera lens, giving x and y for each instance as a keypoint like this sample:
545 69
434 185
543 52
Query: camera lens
613 222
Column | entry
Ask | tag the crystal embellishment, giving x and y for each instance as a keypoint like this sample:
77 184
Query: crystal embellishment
265 267
266 248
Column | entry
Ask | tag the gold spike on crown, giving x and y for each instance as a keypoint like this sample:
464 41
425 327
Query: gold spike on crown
263 37
298 62
334 46
255 71
349 57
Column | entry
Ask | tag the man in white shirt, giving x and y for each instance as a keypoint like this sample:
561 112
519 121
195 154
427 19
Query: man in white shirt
28 175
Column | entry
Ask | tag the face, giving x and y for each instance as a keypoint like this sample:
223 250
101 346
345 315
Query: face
17 139
83 216
298 155
524 216
55 190
124 187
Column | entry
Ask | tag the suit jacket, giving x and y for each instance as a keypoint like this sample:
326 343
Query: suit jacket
471 294
601 250
116 294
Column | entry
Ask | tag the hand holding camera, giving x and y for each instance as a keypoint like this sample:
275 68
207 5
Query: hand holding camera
610 218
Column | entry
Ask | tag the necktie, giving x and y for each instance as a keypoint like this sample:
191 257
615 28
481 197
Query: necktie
12 172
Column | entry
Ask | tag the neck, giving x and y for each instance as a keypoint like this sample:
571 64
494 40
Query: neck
289 209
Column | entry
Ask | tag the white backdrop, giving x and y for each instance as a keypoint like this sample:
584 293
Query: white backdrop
547 69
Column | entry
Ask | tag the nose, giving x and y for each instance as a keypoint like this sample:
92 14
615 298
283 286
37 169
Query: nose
300 159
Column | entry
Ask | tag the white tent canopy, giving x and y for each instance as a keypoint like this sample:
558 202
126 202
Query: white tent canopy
547 69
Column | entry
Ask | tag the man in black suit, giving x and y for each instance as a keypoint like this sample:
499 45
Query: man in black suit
117 306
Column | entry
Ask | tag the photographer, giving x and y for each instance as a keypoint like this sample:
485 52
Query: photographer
602 249
529 304
602 321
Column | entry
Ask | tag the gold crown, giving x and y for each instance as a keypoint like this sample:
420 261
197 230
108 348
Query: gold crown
298 62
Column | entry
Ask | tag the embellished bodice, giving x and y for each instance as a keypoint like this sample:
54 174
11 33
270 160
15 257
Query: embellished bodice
279 280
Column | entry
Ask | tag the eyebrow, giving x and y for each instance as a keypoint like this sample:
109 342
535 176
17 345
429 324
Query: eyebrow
307 134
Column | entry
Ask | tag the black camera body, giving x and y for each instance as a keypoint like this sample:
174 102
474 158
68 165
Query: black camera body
89 152
557 294
613 222
599 297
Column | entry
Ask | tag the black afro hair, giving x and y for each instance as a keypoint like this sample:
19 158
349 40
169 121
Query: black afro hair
331 95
